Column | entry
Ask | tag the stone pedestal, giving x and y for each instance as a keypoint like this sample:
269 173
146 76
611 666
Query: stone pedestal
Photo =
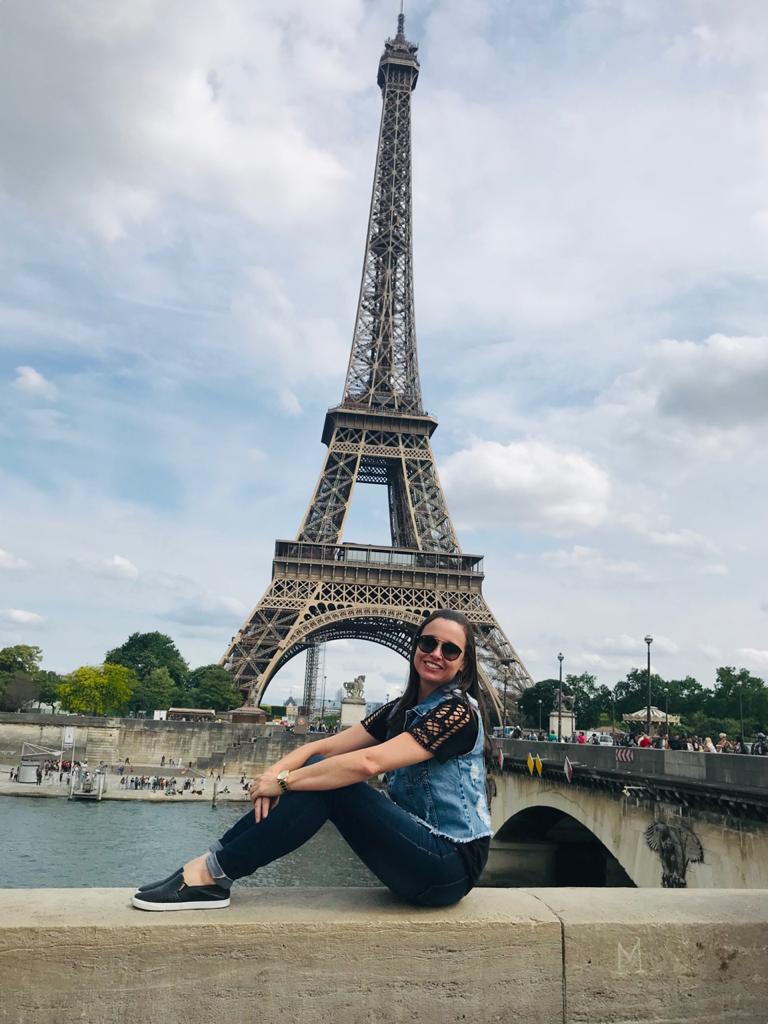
249 715
568 724
352 711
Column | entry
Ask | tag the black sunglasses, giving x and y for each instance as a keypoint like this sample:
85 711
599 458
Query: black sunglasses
428 644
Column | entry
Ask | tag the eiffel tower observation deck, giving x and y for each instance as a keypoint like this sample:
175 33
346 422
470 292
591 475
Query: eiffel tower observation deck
323 589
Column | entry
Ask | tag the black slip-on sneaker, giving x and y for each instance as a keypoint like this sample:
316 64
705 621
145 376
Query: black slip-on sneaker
177 875
175 895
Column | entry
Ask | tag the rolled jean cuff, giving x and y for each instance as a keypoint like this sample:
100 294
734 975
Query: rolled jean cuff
216 845
216 871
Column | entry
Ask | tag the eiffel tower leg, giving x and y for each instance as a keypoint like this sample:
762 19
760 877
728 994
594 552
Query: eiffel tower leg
327 512
424 497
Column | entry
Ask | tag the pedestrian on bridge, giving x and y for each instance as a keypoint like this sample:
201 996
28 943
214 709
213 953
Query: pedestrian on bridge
427 839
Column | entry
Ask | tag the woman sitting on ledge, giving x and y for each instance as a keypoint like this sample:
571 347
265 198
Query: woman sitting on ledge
427 841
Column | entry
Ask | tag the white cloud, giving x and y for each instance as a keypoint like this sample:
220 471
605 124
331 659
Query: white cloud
590 562
720 382
289 402
116 567
208 611
33 383
754 656
171 105
625 644
10 561
121 567
21 617
525 483
685 540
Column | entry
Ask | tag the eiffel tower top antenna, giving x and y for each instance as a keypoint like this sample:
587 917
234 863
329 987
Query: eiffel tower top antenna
383 374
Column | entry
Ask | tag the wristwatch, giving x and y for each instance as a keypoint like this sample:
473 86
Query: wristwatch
282 780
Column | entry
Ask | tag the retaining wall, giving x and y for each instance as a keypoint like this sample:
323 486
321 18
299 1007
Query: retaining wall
358 956
145 741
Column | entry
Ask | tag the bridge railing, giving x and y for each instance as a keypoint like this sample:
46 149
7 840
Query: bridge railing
739 773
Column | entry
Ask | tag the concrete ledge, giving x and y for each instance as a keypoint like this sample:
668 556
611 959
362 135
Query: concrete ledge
307 956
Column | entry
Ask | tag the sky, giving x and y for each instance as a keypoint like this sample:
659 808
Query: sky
184 187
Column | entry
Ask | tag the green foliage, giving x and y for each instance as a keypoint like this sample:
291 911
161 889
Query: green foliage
274 710
97 690
704 711
20 658
144 652
546 691
155 691
211 686
17 689
49 688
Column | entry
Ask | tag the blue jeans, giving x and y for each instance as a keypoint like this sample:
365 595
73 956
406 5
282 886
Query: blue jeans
410 860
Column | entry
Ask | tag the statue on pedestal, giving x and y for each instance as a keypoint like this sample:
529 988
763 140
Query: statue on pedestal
353 705
355 689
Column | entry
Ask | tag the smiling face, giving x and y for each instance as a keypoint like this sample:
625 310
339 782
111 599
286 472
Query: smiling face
435 669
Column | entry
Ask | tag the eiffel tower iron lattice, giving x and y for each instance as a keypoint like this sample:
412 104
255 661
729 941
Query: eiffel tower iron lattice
323 589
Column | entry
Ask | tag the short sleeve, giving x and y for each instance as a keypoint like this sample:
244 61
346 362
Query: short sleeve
376 723
449 730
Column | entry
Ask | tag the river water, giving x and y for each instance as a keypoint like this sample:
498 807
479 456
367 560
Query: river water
51 843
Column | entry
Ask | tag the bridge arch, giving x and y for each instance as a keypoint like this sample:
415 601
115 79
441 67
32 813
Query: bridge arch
572 853
578 829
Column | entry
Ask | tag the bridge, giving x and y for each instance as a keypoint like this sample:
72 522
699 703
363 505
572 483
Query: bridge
629 816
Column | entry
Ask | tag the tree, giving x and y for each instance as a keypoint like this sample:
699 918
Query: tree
20 658
546 691
17 689
143 652
157 690
211 686
97 689
49 688
738 693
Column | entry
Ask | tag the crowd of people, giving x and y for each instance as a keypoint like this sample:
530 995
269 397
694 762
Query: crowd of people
169 785
674 741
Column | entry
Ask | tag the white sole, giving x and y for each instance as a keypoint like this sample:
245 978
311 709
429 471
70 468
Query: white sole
195 905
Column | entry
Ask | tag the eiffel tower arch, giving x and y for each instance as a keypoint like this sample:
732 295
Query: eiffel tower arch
323 589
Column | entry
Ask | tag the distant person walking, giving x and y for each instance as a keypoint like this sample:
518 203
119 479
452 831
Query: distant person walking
427 841
760 746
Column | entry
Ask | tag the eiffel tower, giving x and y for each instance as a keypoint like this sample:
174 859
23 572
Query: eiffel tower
323 589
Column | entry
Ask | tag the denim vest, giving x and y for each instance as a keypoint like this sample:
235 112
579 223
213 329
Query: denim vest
448 798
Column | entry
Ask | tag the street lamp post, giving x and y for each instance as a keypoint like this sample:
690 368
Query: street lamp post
613 717
741 714
560 701
666 712
648 641
539 714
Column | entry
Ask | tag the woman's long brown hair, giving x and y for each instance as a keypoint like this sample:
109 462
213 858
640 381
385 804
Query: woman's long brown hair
467 680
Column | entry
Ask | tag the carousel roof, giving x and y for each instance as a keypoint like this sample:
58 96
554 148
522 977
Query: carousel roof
657 716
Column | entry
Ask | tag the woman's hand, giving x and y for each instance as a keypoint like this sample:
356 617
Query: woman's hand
264 792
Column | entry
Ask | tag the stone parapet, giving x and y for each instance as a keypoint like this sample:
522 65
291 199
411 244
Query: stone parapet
303 956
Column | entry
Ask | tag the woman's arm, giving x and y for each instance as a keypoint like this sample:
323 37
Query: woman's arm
344 769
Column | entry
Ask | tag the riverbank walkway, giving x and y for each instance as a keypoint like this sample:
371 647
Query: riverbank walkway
51 787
